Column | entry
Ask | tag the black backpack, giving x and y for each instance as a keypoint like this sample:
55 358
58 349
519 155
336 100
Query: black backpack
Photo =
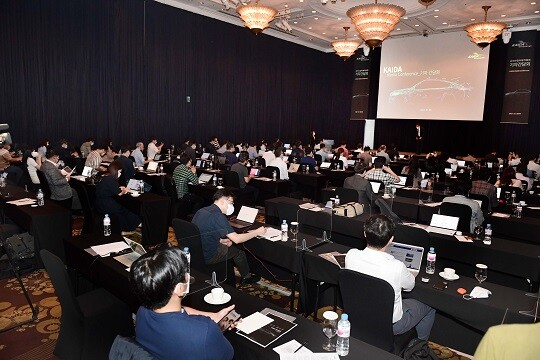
418 350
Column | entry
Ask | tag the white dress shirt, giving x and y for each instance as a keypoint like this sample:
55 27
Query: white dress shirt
383 266
268 157
532 166
152 151
282 166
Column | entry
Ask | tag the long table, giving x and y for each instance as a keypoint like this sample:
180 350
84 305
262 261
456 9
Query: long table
110 274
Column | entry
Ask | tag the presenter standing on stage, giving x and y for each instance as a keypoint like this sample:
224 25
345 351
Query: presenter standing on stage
419 138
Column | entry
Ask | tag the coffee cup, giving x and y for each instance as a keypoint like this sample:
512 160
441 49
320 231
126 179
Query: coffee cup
217 294
449 273
531 192
522 203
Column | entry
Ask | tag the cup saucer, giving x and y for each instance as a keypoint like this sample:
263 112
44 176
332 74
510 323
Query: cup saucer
455 277
209 299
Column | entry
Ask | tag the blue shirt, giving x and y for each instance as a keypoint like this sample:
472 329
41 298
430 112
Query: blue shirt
138 156
213 225
177 335
231 157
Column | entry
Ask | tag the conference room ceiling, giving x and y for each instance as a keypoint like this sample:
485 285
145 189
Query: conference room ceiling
316 25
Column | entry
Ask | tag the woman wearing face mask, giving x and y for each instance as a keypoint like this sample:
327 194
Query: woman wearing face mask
42 149
106 192
33 163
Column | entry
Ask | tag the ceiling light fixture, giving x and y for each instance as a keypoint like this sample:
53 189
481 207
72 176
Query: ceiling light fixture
426 3
256 17
374 22
483 33
345 48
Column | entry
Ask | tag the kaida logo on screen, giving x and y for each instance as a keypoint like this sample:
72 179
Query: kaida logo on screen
476 56
522 44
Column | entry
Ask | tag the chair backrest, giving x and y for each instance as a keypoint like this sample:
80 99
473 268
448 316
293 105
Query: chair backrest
261 161
485 201
524 185
318 158
231 179
89 220
270 170
413 236
346 195
62 286
125 348
170 188
369 302
463 212
386 210
188 235
44 184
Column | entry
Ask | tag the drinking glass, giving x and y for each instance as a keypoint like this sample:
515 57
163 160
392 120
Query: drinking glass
481 273
220 181
329 329
478 232
507 197
294 229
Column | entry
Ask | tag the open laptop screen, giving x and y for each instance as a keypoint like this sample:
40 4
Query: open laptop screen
375 186
247 214
461 163
204 178
152 166
409 255
87 171
444 221
402 180
205 156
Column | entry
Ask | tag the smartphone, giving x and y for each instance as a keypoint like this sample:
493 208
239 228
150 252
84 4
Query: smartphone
440 285
229 319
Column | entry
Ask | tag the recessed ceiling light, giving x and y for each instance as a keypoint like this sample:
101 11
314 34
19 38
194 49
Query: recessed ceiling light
398 29
324 33
355 35
316 18
339 19
309 28
473 19
286 5
295 22
533 3
503 15
537 11
416 25
301 0
445 23
436 16
313 11
405 18
436 10
335 37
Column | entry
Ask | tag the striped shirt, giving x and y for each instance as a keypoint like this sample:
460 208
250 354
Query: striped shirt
183 175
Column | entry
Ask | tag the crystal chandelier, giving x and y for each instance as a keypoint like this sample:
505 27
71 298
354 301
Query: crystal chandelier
483 33
256 17
345 48
374 22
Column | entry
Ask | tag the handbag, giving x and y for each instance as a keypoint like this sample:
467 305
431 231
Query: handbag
351 209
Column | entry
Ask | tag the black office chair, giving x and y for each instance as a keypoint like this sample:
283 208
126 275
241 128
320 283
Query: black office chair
91 222
318 158
170 190
261 161
269 172
124 348
91 321
413 236
463 212
346 195
369 302
187 234
386 210
44 184
231 179
486 204
524 185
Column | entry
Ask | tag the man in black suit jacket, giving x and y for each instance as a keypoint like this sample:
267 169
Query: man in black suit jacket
128 170
419 133
361 185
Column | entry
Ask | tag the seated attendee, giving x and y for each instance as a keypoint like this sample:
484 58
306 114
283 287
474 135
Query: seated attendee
461 188
413 170
64 151
521 175
58 183
393 152
344 147
382 173
323 152
164 327
374 261
492 158
128 171
361 185
33 164
482 186
86 147
514 159
244 177
268 154
153 148
508 178
298 150
533 168
107 190
366 156
509 342
280 164
230 154
190 150
382 152
213 145
184 174
339 156
252 151
138 156
309 160
111 152
94 159
217 235
6 159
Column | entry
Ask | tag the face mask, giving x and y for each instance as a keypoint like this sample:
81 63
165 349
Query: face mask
187 286
230 209
119 173
34 154
64 146
92 143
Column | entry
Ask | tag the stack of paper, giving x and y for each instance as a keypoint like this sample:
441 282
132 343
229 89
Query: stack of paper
21 202
272 234
107 249
264 329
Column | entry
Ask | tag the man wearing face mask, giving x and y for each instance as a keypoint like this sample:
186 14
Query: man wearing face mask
5 163
217 235
164 327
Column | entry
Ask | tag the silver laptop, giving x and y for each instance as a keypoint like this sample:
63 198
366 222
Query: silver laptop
152 167
87 171
246 217
294 167
351 162
375 186
129 258
325 165
461 163
402 181
409 255
288 152
198 163
133 184
205 156
205 178
443 224
448 171
287 146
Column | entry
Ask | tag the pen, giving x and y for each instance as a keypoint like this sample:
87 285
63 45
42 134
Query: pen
301 346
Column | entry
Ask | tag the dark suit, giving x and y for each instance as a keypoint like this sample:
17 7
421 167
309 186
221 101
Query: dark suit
128 171
60 189
419 138
362 186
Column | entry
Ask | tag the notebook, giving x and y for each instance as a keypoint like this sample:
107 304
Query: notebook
443 224
245 218
409 255
375 186
205 178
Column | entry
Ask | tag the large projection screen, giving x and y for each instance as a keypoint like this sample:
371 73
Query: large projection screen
439 77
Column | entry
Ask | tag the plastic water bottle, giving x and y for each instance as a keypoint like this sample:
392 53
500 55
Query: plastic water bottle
336 200
40 198
274 176
141 186
487 234
284 230
214 180
431 258
513 197
343 334
161 169
188 257
106 225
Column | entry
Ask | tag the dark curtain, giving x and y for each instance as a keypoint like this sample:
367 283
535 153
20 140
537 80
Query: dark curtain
125 69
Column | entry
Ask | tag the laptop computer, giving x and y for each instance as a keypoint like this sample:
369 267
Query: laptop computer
443 224
401 156
287 146
255 172
351 162
129 258
402 181
375 186
499 193
288 152
245 218
152 167
198 163
87 171
157 157
325 165
205 156
409 255
448 171
461 163
205 178
294 167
